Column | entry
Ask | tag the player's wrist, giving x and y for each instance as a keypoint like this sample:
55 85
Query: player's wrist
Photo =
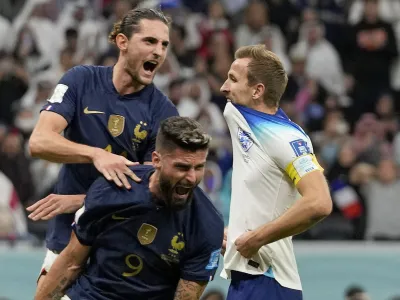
259 237
94 153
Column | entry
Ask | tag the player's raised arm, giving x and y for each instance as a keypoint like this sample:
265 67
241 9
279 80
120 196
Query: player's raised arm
64 271
46 141
189 290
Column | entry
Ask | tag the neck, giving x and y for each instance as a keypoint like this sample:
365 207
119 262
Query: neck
265 109
154 185
123 82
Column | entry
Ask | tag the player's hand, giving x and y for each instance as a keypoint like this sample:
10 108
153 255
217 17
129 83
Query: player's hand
115 167
224 241
54 205
247 245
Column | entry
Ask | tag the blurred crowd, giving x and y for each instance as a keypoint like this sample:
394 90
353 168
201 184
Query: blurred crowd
344 89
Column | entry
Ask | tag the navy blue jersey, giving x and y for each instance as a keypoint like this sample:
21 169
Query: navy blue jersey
140 249
98 116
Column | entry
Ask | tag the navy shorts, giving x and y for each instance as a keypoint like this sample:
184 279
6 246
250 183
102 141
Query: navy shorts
259 287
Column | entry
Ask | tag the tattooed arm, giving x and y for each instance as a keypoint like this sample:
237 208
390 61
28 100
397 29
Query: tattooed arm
189 290
64 271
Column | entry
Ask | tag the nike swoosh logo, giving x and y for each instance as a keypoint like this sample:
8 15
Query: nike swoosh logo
88 112
115 217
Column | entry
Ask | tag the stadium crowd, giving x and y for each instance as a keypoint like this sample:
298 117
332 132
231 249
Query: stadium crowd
344 89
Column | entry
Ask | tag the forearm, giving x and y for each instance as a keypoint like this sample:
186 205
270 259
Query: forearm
301 216
189 290
61 275
54 147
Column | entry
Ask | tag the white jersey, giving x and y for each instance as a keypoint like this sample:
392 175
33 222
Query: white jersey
270 155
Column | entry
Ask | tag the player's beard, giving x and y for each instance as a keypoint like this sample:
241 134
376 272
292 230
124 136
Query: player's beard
167 190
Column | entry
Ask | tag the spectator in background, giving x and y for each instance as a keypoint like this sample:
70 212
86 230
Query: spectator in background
385 111
371 50
13 85
382 199
255 23
15 164
322 59
331 138
285 15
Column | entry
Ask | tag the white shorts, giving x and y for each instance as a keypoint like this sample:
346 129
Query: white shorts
49 260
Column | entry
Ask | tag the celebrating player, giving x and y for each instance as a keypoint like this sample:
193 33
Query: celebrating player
273 160
159 240
110 116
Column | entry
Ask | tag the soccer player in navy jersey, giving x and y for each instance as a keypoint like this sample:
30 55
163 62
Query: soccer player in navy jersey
109 116
160 240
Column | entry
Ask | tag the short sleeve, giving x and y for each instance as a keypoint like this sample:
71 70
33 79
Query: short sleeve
160 114
295 156
64 98
203 263
92 217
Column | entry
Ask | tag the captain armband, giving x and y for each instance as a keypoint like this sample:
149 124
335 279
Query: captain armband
301 166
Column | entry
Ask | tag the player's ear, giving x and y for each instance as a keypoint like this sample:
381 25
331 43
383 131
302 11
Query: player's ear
258 91
122 42
156 159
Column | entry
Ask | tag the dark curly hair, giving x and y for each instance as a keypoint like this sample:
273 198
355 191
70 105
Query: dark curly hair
130 22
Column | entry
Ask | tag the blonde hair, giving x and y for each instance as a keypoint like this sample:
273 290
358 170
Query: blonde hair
266 68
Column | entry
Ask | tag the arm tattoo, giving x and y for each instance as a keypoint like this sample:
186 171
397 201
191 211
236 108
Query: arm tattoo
58 292
189 290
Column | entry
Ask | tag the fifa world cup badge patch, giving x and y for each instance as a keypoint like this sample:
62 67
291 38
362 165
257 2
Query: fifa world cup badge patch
245 140
300 147
116 125
146 234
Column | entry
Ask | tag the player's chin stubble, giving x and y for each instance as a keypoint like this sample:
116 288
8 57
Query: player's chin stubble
167 190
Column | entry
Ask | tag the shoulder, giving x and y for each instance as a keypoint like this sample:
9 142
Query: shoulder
206 212
89 71
288 145
142 171
83 70
103 192
78 75
160 100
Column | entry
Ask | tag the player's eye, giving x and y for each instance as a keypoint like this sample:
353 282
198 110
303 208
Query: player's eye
151 41
182 167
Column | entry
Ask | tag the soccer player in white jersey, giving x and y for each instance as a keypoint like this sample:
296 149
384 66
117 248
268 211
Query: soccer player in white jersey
278 187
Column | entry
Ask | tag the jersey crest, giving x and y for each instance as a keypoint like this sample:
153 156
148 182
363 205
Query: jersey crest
245 140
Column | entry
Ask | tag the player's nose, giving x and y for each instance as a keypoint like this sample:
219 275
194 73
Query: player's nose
158 50
224 88
191 176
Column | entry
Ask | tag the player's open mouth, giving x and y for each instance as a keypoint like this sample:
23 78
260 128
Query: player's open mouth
181 190
149 66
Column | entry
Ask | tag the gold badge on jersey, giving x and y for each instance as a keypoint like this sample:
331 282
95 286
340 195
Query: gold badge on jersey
146 234
116 125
